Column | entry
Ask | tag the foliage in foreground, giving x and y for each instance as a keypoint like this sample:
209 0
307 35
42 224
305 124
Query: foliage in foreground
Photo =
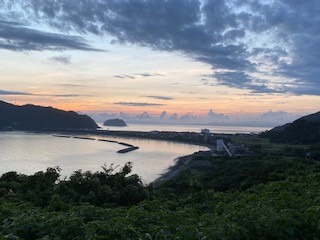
100 188
272 198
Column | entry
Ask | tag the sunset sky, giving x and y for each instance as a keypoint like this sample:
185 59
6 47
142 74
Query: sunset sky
186 60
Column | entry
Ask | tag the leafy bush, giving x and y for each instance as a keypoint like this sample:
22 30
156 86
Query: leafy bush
280 200
99 188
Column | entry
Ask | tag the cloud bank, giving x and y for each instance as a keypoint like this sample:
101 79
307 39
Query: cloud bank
17 37
247 43
265 119
160 97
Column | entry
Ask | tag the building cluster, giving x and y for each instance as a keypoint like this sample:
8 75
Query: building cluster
189 137
230 149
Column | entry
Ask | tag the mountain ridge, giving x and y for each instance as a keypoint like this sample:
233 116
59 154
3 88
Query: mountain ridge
34 117
304 130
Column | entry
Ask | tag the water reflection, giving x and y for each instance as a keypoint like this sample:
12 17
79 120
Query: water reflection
28 153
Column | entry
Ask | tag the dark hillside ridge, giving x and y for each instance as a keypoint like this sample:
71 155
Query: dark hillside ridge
315 117
305 130
31 117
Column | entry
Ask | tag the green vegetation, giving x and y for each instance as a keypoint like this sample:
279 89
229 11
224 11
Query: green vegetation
99 189
266 147
266 196
305 130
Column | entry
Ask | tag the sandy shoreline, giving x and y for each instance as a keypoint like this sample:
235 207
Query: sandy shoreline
173 170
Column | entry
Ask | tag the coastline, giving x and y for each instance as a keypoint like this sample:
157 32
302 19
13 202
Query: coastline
192 138
178 163
170 172
151 161
173 170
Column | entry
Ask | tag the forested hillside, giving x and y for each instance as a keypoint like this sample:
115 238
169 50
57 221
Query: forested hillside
305 130
31 117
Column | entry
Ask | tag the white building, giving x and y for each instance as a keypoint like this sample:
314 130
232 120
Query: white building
221 147
220 144
205 131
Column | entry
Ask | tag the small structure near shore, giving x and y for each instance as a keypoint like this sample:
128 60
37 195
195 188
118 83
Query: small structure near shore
221 147
205 131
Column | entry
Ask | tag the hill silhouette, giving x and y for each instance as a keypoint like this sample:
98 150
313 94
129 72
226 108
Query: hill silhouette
31 117
115 122
305 130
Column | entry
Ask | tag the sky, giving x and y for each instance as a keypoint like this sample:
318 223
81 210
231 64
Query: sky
248 62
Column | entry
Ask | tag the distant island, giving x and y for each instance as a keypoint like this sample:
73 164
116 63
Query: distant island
31 117
305 130
116 122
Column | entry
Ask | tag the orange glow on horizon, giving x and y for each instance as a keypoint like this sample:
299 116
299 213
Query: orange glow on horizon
238 105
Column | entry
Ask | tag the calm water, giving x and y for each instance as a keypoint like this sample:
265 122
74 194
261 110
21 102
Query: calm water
28 153
187 128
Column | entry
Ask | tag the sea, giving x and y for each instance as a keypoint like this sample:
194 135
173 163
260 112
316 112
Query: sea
186 128
28 153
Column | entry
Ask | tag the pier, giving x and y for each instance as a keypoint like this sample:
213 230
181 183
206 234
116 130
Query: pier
129 147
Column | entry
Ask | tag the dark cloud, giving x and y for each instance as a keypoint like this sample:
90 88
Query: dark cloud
62 59
160 97
4 92
236 79
296 27
279 38
148 74
162 25
138 104
17 37
124 76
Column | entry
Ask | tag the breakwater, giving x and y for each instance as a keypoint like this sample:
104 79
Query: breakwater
128 148
208 140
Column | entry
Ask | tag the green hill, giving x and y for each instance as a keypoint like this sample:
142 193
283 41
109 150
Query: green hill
305 130
31 117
